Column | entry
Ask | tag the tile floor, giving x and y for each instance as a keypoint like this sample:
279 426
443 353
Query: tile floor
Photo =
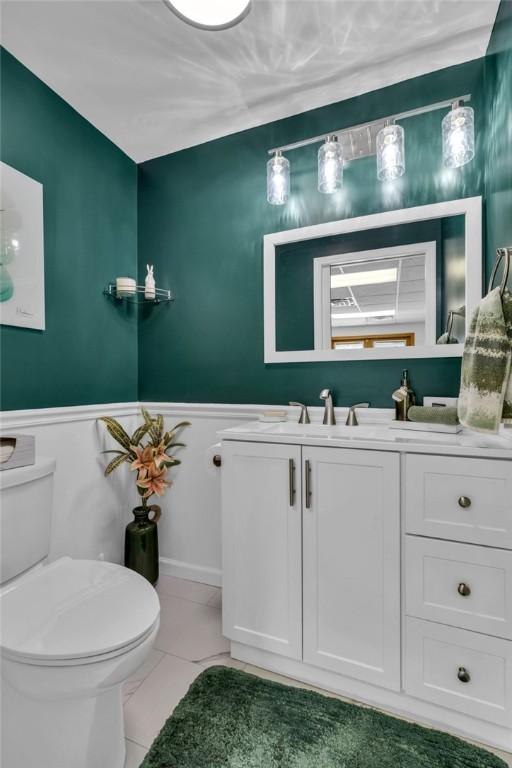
189 640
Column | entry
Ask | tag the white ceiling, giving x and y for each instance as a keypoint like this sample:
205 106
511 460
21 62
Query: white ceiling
405 295
154 85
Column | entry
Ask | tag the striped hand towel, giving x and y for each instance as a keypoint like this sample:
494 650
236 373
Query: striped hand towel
485 398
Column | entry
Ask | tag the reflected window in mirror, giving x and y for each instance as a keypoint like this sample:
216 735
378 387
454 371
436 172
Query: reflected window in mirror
374 341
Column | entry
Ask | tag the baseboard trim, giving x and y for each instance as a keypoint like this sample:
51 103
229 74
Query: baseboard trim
182 570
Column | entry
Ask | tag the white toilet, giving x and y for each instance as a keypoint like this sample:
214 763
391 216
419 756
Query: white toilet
71 633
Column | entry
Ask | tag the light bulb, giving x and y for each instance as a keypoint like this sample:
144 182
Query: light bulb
278 179
390 153
458 136
330 166
206 14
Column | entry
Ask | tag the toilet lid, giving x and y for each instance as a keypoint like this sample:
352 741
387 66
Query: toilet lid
74 609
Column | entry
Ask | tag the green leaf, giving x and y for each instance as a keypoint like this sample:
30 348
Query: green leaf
157 425
140 432
112 452
181 425
172 462
146 416
115 463
117 431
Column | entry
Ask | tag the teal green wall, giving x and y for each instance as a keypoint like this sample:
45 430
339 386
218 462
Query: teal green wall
202 217
498 182
88 352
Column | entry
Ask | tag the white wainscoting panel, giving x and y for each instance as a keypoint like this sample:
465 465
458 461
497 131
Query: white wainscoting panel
190 526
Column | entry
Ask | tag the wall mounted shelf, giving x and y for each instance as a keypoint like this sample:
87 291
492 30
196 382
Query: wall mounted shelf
162 295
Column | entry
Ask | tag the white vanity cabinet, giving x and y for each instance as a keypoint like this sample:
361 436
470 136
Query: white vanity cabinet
324 572
374 567
351 565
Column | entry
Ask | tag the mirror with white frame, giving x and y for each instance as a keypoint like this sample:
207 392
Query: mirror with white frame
389 285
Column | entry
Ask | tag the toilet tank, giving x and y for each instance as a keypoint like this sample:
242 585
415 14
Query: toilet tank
25 515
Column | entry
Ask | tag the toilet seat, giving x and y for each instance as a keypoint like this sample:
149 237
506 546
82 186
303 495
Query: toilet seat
78 661
75 612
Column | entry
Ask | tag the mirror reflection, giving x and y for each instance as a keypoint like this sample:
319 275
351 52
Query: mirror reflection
390 287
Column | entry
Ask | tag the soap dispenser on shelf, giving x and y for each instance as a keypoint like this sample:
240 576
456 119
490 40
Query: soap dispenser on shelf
404 397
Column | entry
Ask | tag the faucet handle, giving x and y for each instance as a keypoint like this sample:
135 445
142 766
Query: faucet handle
304 415
351 416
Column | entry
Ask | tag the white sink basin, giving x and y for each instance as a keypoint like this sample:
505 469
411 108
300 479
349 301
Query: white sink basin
337 432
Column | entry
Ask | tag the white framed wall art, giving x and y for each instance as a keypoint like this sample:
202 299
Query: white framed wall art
21 250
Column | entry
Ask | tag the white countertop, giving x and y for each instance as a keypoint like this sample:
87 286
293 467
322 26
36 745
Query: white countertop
374 435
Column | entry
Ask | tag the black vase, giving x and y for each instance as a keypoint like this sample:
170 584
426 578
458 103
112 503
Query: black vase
141 542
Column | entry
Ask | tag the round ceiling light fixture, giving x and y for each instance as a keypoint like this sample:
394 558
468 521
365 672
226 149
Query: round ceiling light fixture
210 14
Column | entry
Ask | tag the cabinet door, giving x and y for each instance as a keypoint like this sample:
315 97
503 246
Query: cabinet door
351 532
262 533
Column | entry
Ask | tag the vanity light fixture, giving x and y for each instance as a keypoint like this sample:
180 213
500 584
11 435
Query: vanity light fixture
458 130
390 152
375 277
210 14
384 138
278 179
330 166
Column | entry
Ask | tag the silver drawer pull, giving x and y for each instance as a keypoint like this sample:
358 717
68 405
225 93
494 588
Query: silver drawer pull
463 675
464 502
307 470
291 481
464 590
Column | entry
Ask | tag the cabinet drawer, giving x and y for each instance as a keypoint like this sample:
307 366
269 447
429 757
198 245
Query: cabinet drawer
459 584
459 498
460 670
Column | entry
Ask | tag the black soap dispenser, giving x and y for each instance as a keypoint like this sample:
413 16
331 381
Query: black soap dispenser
403 397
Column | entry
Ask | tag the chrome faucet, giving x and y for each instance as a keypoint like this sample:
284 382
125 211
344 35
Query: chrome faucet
304 415
329 417
351 415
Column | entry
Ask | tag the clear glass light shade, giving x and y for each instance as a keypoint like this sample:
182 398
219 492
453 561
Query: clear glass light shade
330 166
458 137
210 14
390 153
278 180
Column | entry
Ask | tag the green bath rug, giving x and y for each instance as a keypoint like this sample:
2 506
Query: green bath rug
230 719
